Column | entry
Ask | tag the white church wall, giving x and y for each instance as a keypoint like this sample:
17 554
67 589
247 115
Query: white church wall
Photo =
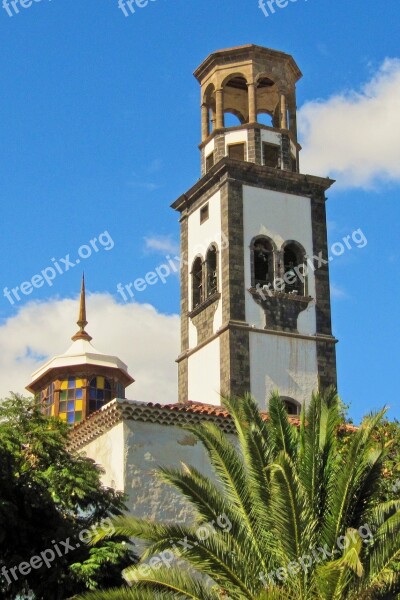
218 317
307 320
270 137
204 385
202 235
147 447
192 335
283 363
143 447
108 451
281 217
209 147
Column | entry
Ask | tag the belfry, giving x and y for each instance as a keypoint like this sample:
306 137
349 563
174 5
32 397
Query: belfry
255 312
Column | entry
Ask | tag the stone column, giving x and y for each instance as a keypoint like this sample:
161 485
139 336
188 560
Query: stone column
219 96
284 124
252 102
292 114
213 118
204 122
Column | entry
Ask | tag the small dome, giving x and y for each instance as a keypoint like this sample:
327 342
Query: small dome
81 353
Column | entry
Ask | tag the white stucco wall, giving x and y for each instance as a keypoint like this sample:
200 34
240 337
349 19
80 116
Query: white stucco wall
204 374
200 236
270 137
192 332
108 451
209 147
283 363
281 217
147 447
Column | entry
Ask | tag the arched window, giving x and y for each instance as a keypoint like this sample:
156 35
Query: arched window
292 407
212 274
265 119
197 282
294 269
71 400
263 261
99 393
231 119
235 100
209 103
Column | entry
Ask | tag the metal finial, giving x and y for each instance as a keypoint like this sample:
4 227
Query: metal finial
82 322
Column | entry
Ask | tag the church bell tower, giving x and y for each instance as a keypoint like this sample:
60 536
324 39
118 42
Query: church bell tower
255 297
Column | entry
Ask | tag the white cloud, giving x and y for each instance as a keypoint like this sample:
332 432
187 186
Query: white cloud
145 185
337 293
161 244
354 136
146 340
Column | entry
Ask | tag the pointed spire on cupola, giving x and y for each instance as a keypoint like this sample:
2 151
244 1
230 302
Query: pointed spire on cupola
82 322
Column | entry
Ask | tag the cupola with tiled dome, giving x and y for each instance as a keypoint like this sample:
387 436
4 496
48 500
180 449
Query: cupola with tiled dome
76 384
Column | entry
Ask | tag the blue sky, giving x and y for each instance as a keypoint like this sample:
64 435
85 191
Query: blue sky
99 132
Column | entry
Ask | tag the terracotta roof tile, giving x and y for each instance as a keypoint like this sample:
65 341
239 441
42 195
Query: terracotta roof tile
164 414
188 413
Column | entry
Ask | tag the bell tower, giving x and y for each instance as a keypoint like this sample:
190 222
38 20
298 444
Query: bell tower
255 297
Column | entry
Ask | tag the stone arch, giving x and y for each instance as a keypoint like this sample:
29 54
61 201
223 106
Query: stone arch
265 117
262 256
211 270
236 96
267 97
232 77
237 114
197 276
209 103
294 271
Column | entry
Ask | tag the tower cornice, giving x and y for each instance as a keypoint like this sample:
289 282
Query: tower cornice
257 175
244 53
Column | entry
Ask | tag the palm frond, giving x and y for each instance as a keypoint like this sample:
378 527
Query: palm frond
283 435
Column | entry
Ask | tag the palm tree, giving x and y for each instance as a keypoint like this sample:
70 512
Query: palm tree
293 513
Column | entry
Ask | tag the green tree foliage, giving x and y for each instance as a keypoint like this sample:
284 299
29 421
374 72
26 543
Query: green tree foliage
304 503
49 496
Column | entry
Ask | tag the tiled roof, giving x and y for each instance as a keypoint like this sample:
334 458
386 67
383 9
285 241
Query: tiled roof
188 413
165 414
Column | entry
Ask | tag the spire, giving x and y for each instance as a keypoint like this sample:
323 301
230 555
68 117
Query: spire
82 322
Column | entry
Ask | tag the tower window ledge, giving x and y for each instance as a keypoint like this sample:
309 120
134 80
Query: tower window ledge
207 302
262 294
